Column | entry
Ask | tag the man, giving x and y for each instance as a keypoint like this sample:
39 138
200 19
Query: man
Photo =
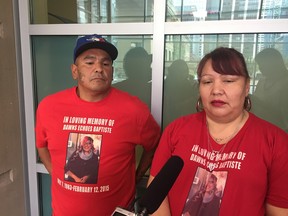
115 120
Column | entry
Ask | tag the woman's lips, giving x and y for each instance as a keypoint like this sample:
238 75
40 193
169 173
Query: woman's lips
218 103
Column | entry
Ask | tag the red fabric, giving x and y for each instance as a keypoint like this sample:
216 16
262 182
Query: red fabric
256 164
122 120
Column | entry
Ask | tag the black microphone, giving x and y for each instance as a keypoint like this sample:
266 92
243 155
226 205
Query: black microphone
160 186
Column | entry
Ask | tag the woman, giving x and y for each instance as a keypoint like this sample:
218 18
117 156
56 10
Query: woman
206 201
82 166
224 138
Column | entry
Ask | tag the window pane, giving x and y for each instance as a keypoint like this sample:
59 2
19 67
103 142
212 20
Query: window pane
91 11
53 56
44 181
269 76
194 10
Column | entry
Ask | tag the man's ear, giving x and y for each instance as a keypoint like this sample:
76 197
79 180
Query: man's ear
74 71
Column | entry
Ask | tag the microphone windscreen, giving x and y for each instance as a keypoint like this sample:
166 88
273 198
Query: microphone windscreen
161 184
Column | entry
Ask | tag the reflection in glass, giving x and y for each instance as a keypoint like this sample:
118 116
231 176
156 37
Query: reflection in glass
194 10
270 95
181 92
91 11
137 68
268 89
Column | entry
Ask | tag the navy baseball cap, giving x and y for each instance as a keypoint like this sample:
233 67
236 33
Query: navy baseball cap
94 41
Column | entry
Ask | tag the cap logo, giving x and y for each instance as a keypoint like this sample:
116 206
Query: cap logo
95 39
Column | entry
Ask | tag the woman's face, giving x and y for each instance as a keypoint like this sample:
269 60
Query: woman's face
211 184
87 146
222 95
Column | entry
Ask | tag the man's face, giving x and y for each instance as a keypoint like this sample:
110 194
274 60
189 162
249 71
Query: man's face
94 72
